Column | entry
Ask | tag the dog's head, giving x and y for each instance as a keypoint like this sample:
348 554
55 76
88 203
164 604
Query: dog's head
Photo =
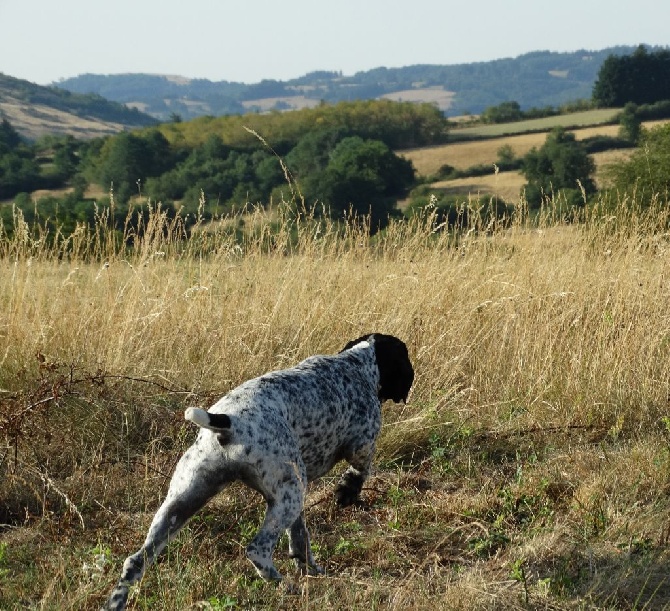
395 369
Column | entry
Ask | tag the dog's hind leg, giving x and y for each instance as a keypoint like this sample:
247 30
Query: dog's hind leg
194 482
285 505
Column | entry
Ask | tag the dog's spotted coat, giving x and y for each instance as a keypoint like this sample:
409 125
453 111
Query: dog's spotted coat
276 433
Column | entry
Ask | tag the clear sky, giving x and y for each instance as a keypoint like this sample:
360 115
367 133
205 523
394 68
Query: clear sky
249 40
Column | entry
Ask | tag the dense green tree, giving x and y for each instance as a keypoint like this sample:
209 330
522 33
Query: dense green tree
560 164
364 176
630 125
397 124
643 78
311 154
9 137
646 173
506 155
225 176
503 113
65 157
19 170
268 173
127 160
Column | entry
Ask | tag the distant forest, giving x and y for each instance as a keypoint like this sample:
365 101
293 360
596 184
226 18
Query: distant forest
534 80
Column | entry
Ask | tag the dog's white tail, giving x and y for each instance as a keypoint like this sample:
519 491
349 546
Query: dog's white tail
213 422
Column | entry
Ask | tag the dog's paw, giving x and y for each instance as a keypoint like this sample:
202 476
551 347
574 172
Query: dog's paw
291 589
345 496
313 570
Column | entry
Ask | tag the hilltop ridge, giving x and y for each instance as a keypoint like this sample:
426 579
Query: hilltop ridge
537 79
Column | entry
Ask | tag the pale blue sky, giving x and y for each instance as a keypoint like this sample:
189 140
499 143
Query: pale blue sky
249 40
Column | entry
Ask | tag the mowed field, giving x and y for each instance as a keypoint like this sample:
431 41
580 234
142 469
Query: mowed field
36 120
464 154
571 120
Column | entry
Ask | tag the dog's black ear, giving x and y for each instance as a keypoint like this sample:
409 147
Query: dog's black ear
395 369
396 373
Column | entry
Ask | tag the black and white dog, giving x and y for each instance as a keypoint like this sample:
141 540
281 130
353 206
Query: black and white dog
276 433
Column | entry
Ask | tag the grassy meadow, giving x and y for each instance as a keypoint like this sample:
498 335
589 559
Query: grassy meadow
521 137
465 154
598 116
530 468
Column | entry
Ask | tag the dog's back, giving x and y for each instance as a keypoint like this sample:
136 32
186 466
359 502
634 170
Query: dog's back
326 420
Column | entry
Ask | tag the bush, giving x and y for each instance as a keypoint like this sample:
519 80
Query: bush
458 212
561 163
647 172
650 112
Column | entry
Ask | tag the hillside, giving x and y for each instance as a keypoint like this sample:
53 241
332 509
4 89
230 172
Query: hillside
537 79
34 111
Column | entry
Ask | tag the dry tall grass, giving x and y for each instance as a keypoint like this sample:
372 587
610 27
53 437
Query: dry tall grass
530 468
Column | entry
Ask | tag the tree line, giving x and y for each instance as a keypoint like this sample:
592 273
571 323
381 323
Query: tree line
641 78
341 156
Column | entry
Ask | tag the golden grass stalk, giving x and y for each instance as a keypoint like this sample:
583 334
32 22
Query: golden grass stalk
533 343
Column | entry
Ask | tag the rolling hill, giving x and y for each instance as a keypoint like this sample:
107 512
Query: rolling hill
537 79
34 111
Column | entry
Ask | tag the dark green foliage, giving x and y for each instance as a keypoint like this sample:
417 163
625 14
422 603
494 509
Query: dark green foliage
658 110
65 157
598 144
335 163
560 164
222 175
646 173
502 113
506 154
631 125
19 170
363 176
311 154
48 164
456 211
63 212
9 137
127 160
642 78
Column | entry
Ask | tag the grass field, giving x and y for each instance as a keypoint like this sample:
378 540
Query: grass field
465 154
571 120
508 185
530 468
462 155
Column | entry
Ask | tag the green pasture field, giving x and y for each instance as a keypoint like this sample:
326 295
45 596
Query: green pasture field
577 119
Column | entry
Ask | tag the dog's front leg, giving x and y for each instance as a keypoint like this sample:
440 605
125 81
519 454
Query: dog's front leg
300 549
351 483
